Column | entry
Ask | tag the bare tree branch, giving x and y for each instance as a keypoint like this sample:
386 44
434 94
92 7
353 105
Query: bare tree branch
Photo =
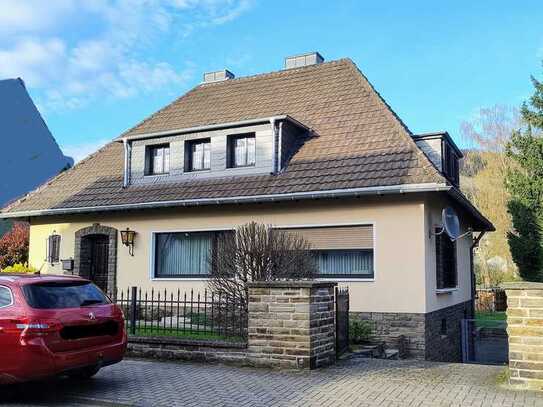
257 252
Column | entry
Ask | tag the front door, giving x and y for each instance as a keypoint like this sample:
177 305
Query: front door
99 248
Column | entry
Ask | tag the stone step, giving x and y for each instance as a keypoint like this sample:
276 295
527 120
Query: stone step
368 351
392 354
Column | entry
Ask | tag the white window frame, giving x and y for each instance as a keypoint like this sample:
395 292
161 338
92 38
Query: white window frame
152 275
152 242
323 225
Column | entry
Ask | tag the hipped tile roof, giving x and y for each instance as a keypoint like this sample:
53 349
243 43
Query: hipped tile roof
358 142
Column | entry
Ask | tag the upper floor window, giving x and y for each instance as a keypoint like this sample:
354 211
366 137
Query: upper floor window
241 150
446 273
198 155
450 163
158 159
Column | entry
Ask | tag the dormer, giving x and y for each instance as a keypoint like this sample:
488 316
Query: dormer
250 147
442 151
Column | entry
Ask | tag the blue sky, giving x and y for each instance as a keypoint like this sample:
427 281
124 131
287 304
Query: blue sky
95 68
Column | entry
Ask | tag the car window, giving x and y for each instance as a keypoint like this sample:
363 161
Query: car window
5 297
72 294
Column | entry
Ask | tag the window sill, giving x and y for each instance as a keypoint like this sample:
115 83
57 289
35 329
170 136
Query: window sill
347 279
197 171
180 278
446 290
241 166
161 174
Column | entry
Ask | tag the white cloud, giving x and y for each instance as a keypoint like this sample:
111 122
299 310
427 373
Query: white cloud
109 56
27 16
82 150
35 61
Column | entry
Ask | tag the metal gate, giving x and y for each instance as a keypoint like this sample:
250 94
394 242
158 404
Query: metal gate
342 320
485 342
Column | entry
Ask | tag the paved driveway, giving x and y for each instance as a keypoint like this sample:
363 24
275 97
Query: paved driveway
352 383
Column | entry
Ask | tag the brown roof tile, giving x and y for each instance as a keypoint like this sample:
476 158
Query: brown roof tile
359 142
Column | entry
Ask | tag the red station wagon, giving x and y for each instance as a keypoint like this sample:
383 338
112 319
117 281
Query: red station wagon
51 325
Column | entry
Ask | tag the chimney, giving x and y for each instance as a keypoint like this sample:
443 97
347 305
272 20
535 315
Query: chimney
297 61
218 76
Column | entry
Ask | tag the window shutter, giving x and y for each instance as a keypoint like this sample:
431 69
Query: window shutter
337 237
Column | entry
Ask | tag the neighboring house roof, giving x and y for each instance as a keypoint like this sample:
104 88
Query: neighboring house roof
30 154
359 145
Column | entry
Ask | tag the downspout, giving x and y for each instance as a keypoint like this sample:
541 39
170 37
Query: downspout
280 148
125 168
474 245
274 146
129 163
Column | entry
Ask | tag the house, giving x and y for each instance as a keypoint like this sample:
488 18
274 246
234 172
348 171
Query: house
311 148
30 155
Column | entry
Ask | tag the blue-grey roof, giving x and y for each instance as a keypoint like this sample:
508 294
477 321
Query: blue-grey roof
29 155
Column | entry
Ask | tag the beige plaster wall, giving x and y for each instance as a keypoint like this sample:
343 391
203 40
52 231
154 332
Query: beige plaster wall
399 284
435 300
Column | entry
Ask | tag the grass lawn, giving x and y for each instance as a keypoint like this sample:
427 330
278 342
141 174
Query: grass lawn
485 319
490 316
210 336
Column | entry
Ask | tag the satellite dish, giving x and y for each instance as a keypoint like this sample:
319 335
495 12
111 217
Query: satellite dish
451 224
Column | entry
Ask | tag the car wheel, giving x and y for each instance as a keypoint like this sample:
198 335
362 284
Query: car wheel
84 373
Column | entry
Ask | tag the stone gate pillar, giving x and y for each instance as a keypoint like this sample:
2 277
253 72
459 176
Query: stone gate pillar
291 324
525 330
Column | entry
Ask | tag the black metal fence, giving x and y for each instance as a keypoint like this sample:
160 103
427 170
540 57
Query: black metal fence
342 320
195 315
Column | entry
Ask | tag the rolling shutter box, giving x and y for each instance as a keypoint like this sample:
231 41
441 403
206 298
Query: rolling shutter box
337 237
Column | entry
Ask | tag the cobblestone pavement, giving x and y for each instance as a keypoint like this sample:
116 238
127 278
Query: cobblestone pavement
363 382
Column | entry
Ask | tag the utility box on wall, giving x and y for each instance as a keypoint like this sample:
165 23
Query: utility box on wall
68 264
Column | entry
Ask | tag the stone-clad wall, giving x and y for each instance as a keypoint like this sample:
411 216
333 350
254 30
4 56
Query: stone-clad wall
388 326
188 349
525 330
443 341
422 332
291 324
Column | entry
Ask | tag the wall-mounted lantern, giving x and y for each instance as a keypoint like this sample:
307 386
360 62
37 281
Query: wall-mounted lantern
127 237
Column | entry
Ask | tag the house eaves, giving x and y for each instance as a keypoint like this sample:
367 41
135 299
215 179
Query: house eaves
339 193
208 127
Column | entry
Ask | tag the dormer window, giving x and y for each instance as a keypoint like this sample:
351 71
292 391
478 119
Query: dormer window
450 163
241 150
198 155
158 159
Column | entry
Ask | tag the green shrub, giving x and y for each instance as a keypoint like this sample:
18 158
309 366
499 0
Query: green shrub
19 268
360 331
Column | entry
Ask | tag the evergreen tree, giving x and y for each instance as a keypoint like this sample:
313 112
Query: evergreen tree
524 181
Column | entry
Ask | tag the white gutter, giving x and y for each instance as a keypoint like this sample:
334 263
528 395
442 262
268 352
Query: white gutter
336 193
125 167
216 126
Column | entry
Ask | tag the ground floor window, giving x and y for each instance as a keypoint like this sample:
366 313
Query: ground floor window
345 263
183 254
341 251
446 270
